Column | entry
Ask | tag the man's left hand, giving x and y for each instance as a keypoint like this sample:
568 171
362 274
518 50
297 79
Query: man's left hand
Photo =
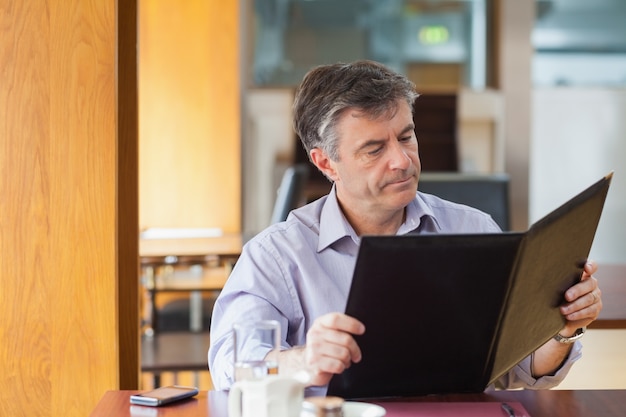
583 301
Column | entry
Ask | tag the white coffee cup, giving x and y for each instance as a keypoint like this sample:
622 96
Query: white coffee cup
273 396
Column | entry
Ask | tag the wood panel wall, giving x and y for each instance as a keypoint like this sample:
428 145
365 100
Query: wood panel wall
68 205
189 120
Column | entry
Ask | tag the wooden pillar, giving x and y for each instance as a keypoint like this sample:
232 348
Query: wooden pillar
68 205
513 51
127 204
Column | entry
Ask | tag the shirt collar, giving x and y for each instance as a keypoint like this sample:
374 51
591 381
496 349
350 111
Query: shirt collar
416 213
334 225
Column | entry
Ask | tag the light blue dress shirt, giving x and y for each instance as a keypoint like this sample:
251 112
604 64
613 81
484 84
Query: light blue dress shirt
300 269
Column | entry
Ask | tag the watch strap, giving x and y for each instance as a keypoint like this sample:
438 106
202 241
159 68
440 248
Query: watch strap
567 340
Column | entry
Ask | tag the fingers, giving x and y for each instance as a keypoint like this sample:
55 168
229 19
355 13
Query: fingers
331 338
587 307
584 299
589 269
587 284
341 322
330 347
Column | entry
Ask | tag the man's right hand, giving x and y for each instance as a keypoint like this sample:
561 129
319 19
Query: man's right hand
330 348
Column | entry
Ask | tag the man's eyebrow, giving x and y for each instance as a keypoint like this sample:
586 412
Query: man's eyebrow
376 142
410 127
370 143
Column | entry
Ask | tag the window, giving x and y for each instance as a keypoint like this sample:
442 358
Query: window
580 42
435 43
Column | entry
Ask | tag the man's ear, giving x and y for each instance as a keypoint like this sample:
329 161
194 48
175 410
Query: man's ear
323 163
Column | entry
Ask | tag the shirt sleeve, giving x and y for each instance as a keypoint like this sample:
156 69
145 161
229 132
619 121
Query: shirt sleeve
254 291
521 377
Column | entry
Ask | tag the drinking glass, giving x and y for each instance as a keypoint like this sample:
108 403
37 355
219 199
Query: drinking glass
253 341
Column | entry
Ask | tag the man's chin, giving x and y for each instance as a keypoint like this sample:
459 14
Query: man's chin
403 193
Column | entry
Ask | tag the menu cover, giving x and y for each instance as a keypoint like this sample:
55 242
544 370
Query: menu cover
451 409
452 313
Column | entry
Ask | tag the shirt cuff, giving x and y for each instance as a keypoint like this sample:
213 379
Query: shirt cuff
523 372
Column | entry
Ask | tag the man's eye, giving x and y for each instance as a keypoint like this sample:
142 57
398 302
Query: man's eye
406 139
375 151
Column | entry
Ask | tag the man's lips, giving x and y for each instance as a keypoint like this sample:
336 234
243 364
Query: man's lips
401 181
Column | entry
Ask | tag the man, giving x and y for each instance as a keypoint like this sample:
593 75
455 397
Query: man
355 121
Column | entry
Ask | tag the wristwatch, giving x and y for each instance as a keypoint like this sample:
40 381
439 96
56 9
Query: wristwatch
567 340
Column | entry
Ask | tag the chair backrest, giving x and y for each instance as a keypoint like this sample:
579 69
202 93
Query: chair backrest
290 192
486 192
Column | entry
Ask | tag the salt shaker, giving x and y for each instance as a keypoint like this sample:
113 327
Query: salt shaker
322 407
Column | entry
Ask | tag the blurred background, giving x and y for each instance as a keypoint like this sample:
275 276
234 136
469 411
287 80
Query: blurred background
533 90
530 91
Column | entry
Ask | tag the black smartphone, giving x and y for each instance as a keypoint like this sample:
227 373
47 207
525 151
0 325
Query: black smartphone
163 395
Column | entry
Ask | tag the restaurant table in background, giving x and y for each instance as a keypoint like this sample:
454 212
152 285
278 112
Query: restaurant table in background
226 246
193 264
210 260
174 352
541 403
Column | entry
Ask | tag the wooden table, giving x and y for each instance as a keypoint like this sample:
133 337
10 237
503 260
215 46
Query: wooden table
545 403
227 246
212 252
174 352
178 351
612 282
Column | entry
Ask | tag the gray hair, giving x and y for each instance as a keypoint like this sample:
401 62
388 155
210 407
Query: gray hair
328 90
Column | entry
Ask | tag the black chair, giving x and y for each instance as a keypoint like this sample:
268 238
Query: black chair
486 192
290 192
175 315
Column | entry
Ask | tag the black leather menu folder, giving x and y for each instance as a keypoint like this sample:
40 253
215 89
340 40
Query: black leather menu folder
453 313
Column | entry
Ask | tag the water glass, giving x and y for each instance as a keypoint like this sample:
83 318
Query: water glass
253 341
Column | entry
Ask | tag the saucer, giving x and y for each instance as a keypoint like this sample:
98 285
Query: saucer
358 409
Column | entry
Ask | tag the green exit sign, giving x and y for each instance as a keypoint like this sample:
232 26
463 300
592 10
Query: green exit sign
433 35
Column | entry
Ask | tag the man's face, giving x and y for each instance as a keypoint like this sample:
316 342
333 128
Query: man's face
379 164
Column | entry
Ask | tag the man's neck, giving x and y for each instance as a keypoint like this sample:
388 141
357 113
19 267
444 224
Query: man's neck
371 223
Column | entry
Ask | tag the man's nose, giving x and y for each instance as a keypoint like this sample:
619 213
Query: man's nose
399 158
